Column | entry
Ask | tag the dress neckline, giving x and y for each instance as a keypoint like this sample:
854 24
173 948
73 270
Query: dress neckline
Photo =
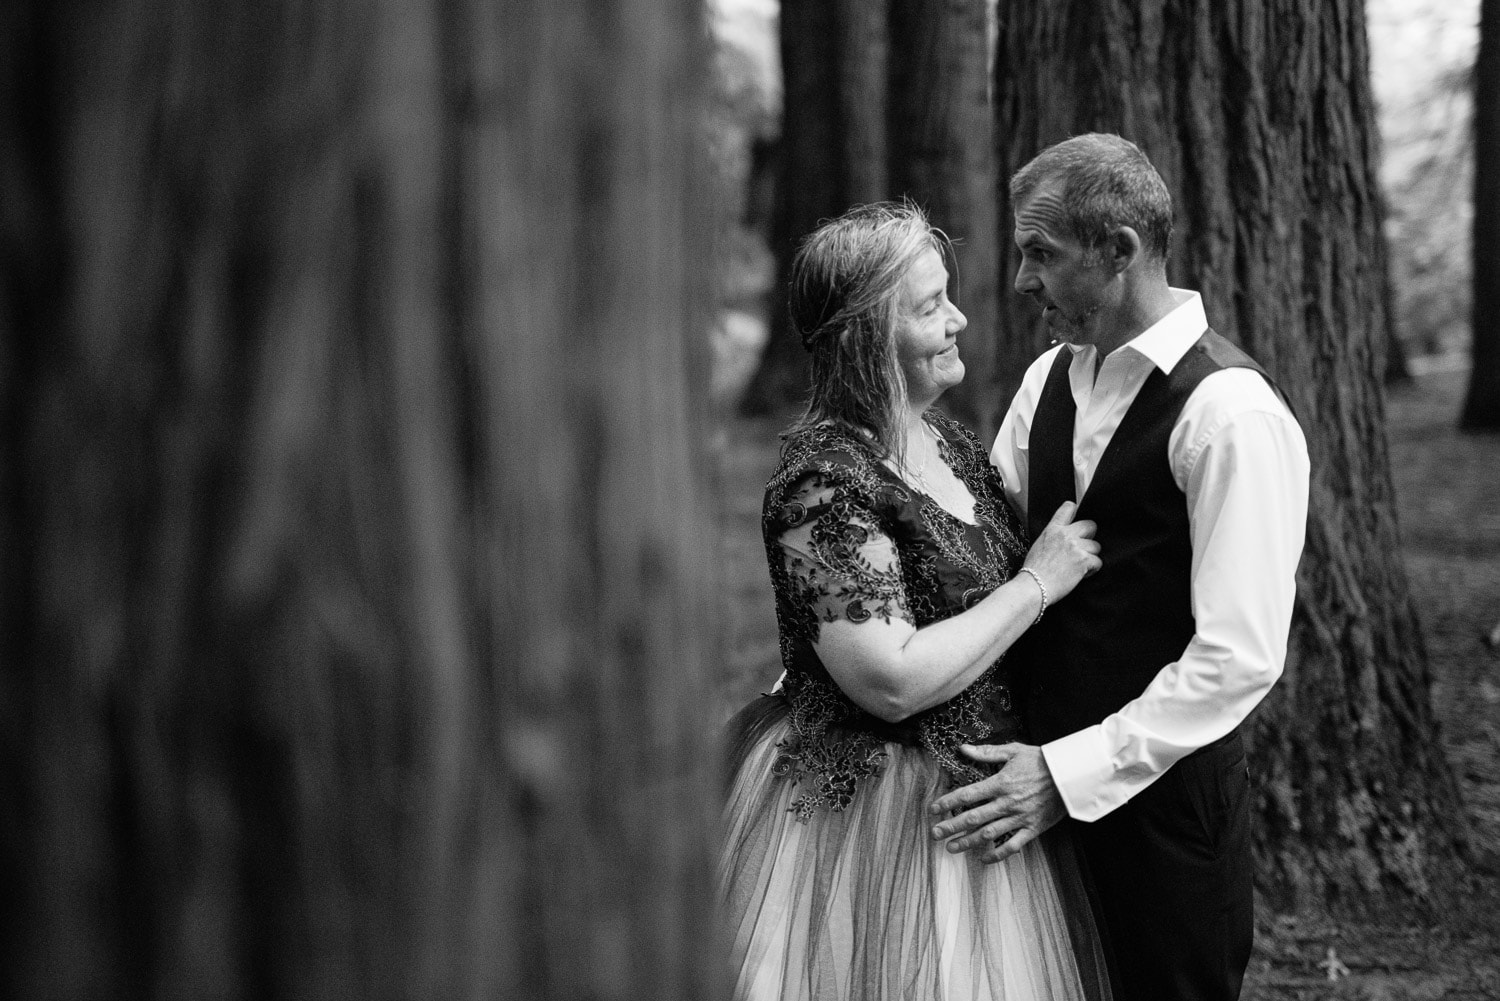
944 452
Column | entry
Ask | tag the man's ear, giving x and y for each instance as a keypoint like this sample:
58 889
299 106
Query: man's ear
1124 248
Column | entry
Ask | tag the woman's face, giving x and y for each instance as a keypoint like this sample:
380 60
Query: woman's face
927 327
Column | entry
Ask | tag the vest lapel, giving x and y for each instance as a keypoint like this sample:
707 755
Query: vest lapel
1145 411
1050 448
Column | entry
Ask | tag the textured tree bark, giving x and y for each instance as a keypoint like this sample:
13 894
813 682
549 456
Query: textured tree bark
356 608
1482 404
1259 115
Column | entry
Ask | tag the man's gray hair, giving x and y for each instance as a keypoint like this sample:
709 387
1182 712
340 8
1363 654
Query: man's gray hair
1107 182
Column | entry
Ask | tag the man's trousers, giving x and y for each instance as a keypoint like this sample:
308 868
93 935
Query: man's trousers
1173 876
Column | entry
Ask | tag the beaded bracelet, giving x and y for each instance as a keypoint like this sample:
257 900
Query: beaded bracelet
1041 587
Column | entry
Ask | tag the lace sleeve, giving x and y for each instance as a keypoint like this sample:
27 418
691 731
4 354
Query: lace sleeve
837 563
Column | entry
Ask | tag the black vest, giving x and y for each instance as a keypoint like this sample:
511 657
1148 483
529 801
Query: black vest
1099 647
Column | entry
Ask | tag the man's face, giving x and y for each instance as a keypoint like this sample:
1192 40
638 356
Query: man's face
1075 289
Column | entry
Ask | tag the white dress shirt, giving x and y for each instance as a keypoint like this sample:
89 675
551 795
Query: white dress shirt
1241 461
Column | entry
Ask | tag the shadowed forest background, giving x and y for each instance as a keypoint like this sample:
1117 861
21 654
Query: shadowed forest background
386 391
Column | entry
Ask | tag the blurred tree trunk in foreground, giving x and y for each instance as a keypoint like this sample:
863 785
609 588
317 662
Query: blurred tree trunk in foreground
885 98
1482 406
1259 115
356 571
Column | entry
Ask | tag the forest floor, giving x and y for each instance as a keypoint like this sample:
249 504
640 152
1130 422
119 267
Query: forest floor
1448 493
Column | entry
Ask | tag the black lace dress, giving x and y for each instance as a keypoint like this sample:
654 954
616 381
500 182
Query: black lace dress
833 888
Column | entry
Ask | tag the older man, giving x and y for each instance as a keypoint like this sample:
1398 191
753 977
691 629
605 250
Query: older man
1178 445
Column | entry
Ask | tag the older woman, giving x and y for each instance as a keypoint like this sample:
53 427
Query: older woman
901 578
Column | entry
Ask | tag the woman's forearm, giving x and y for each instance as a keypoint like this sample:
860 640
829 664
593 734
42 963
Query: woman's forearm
893 670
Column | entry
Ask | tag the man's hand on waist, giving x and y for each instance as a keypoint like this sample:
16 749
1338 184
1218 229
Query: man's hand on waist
1004 813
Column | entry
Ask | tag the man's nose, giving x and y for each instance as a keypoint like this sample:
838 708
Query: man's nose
1026 280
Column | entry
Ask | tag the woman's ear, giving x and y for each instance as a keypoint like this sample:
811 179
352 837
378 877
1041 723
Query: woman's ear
1124 248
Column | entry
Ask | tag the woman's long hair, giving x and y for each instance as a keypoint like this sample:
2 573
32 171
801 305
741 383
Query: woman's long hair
845 301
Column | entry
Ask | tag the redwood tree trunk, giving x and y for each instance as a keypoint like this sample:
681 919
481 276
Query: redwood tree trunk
942 152
1482 406
1259 115
885 98
356 568
832 156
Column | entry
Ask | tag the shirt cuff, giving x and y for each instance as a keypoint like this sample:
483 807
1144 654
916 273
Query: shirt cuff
1081 767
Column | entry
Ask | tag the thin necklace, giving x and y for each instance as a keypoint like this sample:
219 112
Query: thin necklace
917 472
942 500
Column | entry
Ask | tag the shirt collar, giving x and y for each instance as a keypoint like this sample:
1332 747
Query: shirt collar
1168 339
1164 342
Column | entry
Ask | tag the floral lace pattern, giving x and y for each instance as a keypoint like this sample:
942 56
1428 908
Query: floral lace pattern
846 538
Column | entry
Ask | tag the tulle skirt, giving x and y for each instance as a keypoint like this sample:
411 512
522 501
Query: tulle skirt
861 905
